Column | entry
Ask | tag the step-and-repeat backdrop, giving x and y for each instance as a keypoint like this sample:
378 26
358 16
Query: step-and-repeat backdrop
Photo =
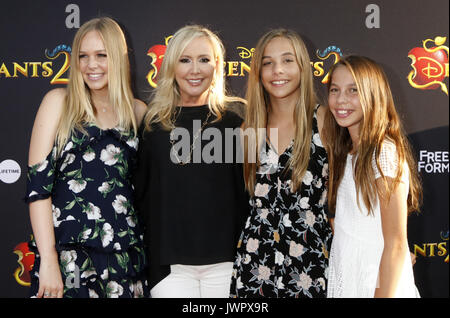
408 37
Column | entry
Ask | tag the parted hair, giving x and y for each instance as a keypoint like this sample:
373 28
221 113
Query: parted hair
78 108
166 95
258 107
380 123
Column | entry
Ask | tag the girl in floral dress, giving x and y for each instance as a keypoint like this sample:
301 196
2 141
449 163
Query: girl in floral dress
283 248
87 241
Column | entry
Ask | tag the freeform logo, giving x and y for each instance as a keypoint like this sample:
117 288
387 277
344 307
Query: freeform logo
433 161
9 171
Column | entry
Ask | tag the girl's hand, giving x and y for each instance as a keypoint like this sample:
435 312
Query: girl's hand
50 280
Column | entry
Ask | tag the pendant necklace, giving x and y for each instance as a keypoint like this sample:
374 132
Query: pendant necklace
196 135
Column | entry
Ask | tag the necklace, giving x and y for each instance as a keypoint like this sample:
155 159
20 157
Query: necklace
104 109
196 135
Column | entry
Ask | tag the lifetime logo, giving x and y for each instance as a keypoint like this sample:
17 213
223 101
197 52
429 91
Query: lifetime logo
9 171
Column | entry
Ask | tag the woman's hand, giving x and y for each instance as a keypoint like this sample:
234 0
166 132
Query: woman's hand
50 280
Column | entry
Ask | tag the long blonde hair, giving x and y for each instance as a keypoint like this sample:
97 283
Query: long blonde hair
78 108
259 102
380 122
166 95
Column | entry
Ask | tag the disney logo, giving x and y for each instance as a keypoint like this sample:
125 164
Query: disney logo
245 53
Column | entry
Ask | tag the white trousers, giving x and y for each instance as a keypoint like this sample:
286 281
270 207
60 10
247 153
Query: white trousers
195 281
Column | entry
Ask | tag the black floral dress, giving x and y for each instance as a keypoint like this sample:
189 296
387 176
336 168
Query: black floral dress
283 249
98 240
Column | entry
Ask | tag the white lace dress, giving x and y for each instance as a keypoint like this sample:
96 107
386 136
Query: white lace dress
358 242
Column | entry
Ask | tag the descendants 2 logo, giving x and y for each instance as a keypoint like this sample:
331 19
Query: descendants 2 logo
25 261
239 68
47 69
430 65
156 53
41 69
434 249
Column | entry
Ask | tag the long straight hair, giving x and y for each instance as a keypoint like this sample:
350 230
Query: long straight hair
78 108
259 103
166 95
380 123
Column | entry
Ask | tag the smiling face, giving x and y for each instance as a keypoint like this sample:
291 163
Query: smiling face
194 72
280 72
94 61
344 101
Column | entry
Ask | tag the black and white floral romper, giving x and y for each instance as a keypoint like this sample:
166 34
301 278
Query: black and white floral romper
98 239
283 249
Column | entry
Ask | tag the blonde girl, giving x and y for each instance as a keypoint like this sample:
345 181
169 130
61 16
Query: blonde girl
192 206
86 235
373 185
283 247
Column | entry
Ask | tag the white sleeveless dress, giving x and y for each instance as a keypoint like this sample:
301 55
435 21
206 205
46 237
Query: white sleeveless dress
358 242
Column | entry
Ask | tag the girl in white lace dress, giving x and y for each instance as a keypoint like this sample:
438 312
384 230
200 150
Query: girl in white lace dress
373 185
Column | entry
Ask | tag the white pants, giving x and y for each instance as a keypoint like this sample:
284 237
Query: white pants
195 281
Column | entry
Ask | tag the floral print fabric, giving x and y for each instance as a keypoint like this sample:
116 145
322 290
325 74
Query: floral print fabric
98 238
283 249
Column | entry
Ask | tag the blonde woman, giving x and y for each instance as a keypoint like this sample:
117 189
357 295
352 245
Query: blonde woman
189 192
373 185
86 236
282 250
